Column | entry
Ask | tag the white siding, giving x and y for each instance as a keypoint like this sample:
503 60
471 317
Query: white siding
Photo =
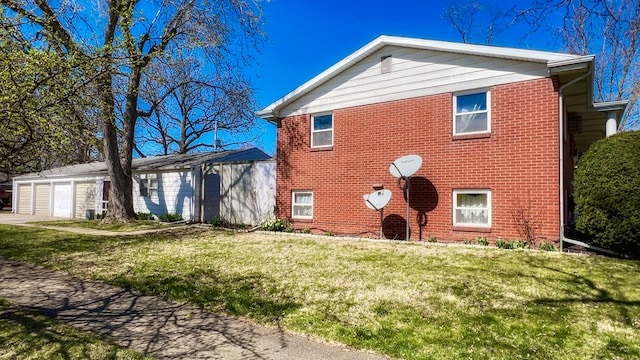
413 73
43 197
24 199
247 192
85 198
175 192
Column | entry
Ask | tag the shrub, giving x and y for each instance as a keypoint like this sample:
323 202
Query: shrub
467 242
606 194
144 216
274 224
482 240
548 247
517 244
218 222
170 217
330 233
502 244
432 239
306 231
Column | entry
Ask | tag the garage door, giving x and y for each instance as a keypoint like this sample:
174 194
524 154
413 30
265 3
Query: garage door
42 198
24 199
85 198
62 200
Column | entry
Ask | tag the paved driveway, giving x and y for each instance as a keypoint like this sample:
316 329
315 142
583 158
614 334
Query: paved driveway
9 218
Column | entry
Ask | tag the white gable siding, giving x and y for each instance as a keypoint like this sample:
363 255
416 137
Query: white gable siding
414 73
247 191
175 192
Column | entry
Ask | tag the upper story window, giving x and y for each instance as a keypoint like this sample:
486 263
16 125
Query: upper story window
472 208
302 205
322 130
149 186
471 113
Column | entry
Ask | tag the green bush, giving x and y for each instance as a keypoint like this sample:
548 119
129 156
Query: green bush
548 247
432 239
482 240
274 224
144 216
607 193
217 221
170 217
517 244
502 244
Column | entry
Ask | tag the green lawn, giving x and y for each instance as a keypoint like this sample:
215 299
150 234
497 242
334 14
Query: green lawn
405 300
27 335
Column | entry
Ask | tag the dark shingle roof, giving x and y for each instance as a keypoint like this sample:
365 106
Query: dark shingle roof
156 163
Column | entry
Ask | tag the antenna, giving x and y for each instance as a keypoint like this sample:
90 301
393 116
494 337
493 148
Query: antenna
402 168
377 200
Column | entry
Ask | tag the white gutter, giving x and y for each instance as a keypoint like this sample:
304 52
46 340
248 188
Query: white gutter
562 140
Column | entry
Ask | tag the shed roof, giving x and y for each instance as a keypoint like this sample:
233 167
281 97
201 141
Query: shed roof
551 59
156 163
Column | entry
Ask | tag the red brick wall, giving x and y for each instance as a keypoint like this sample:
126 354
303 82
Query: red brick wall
518 162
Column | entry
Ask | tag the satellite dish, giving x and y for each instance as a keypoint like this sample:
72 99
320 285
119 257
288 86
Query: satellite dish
405 166
377 199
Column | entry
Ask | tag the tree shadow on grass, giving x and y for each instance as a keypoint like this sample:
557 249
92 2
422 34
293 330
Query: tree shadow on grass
26 334
149 324
252 295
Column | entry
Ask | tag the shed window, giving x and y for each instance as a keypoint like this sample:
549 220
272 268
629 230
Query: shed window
149 187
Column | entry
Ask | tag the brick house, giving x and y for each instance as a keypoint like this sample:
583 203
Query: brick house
498 129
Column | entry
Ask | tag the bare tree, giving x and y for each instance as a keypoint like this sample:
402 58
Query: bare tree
474 19
193 101
610 29
116 41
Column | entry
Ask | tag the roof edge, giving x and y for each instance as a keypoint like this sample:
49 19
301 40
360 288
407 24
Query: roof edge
270 112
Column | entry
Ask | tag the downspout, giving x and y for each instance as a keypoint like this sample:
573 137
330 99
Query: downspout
562 141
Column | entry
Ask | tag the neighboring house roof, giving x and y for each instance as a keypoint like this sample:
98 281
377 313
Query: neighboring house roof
156 163
548 60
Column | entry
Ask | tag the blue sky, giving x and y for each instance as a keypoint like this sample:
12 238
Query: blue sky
306 37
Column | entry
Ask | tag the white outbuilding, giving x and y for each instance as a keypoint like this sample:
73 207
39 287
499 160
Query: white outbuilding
236 185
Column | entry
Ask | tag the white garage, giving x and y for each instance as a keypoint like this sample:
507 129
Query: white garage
238 185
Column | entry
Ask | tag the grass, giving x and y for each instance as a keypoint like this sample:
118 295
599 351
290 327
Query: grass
98 225
404 300
27 335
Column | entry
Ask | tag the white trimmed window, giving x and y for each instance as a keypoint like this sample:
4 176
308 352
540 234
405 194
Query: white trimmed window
302 205
321 130
471 113
149 186
472 208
